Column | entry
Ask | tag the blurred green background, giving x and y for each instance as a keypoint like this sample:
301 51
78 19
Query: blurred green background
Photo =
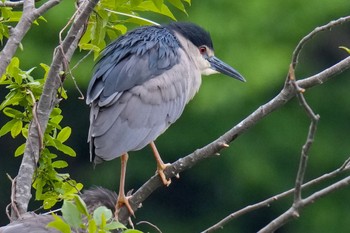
257 38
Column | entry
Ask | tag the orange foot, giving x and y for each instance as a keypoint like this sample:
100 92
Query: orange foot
160 170
123 200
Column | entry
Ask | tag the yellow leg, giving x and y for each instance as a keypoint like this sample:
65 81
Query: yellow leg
122 199
160 165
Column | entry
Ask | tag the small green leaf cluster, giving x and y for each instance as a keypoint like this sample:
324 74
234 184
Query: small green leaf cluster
19 106
110 19
9 16
75 216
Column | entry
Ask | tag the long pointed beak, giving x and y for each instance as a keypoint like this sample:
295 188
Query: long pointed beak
222 67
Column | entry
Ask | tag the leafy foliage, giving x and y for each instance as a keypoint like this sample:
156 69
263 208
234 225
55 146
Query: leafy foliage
24 92
75 216
111 18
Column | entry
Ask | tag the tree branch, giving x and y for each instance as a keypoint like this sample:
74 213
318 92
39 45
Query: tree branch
293 213
266 203
30 14
185 163
46 103
317 30
298 202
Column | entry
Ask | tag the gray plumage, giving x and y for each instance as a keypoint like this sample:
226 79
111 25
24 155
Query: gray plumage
141 85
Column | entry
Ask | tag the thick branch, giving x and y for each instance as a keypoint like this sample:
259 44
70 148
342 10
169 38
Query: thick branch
46 103
287 93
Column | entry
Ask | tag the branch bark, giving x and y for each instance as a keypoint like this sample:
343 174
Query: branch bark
62 54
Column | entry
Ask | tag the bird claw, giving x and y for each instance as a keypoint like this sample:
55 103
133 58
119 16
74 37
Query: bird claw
123 200
160 171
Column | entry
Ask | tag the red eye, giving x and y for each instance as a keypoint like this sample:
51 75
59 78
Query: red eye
202 50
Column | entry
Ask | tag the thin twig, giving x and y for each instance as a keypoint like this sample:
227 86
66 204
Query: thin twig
13 199
148 223
11 4
310 138
73 78
36 121
309 36
132 16
291 213
65 63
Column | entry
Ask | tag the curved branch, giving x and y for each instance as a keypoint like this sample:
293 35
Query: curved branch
212 149
312 34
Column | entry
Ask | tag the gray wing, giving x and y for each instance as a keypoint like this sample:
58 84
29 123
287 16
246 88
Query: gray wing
131 60
133 118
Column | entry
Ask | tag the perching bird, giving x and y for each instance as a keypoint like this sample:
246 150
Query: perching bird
35 223
140 86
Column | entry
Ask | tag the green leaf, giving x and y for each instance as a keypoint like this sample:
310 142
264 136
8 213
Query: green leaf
121 28
62 92
59 225
4 32
158 4
25 131
71 214
15 16
49 202
345 48
65 149
16 128
59 164
135 3
13 113
20 150
89 47
132 231
55 121
149 6
7 127
38 185
13 98
46 69
64 134
56 112
114 225
81 206
101 215
92 228
178 4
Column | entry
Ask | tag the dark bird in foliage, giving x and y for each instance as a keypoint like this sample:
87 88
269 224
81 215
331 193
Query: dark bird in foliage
141 85
34 223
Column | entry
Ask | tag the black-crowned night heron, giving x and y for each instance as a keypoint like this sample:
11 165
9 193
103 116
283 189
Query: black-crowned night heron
140 86
30 222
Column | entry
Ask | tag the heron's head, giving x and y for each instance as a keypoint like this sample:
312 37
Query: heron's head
207 62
